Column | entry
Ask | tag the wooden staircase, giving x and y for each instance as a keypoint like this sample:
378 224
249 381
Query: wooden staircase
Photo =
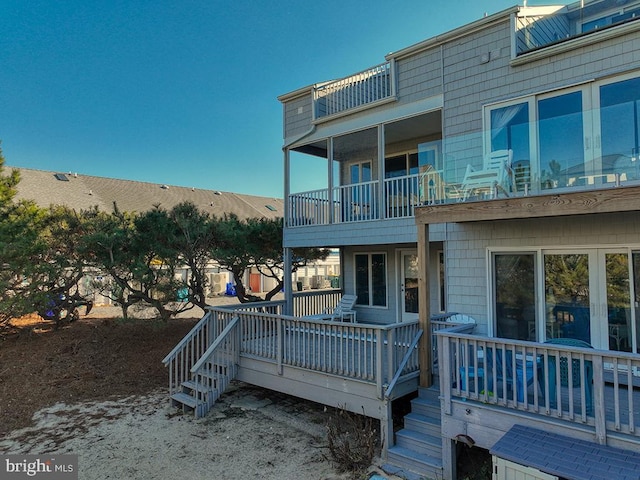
199 394
201 366
417 453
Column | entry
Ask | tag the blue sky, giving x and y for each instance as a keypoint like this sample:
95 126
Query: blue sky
184 92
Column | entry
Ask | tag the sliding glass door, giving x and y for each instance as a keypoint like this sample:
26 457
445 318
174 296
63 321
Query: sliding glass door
590 294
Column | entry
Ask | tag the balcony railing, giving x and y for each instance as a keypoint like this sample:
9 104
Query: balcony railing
355 91
594 388
540 27
357 202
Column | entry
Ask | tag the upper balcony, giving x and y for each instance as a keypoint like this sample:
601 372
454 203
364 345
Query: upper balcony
538 28
355 92
538 146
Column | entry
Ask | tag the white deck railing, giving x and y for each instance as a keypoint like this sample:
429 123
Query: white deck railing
356 91
310 208
596 390
368 353
356 202
314 303
402 195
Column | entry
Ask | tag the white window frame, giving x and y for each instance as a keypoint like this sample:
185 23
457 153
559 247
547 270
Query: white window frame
370 279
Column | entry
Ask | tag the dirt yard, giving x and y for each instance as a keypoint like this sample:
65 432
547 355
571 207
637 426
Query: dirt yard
97 388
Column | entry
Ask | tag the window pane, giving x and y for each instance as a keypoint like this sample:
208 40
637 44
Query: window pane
567 300
636 296
355 173
362 279
618 301
620 128
510 130
515 296
561 141
379 282
395 166
366 172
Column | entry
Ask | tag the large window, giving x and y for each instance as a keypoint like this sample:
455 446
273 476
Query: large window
585 136
515 296
589 294
371 279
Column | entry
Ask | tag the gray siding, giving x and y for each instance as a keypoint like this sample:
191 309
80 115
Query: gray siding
419 76
468 244
380 232
298 116
390 313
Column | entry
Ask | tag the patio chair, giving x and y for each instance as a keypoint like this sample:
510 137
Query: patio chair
521 378
496 174
342 312
576 372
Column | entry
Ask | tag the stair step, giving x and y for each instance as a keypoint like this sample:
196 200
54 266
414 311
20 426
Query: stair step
186 399
424 465
431 393
423 424
426 407
420 442
193 386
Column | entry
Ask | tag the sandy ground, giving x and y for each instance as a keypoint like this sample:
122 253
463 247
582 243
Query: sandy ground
245 436
251 433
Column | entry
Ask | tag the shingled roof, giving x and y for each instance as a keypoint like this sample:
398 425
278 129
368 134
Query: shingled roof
82 192
566 457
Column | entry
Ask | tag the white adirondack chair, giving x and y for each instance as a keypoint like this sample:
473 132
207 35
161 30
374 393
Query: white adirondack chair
496 174
343 312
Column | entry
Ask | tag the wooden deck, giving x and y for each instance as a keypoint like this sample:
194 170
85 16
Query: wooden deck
363 368
604 408
358 367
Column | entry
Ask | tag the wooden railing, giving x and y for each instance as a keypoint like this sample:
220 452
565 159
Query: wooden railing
193 346
402 195
356 91
310 208
369 353
579 385
314 303
215 369
356 202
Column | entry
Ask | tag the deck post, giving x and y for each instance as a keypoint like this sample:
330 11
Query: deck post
380 370
449 459
598 400
288 282
386 426
424 347
280 344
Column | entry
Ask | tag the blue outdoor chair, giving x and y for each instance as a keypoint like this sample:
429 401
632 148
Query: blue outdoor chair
576 373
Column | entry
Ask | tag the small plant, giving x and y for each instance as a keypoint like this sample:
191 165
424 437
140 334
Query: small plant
352 441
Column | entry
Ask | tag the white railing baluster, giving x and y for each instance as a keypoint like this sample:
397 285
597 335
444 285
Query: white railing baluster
358 90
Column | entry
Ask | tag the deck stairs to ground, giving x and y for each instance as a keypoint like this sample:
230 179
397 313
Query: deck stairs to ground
417 453
198 395
200 370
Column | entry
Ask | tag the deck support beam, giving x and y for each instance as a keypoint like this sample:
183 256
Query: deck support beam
424 347
386 425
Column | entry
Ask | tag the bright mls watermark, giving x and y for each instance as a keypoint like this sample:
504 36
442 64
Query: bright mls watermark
50 467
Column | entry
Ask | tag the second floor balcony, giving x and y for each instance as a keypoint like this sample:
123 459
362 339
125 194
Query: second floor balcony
536 145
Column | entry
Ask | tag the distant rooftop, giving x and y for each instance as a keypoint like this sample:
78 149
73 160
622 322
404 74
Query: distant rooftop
82 192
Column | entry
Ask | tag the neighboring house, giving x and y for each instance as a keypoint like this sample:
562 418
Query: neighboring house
492 171
83 192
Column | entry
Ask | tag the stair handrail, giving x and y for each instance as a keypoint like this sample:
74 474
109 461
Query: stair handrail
215 345
403 363
192 333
